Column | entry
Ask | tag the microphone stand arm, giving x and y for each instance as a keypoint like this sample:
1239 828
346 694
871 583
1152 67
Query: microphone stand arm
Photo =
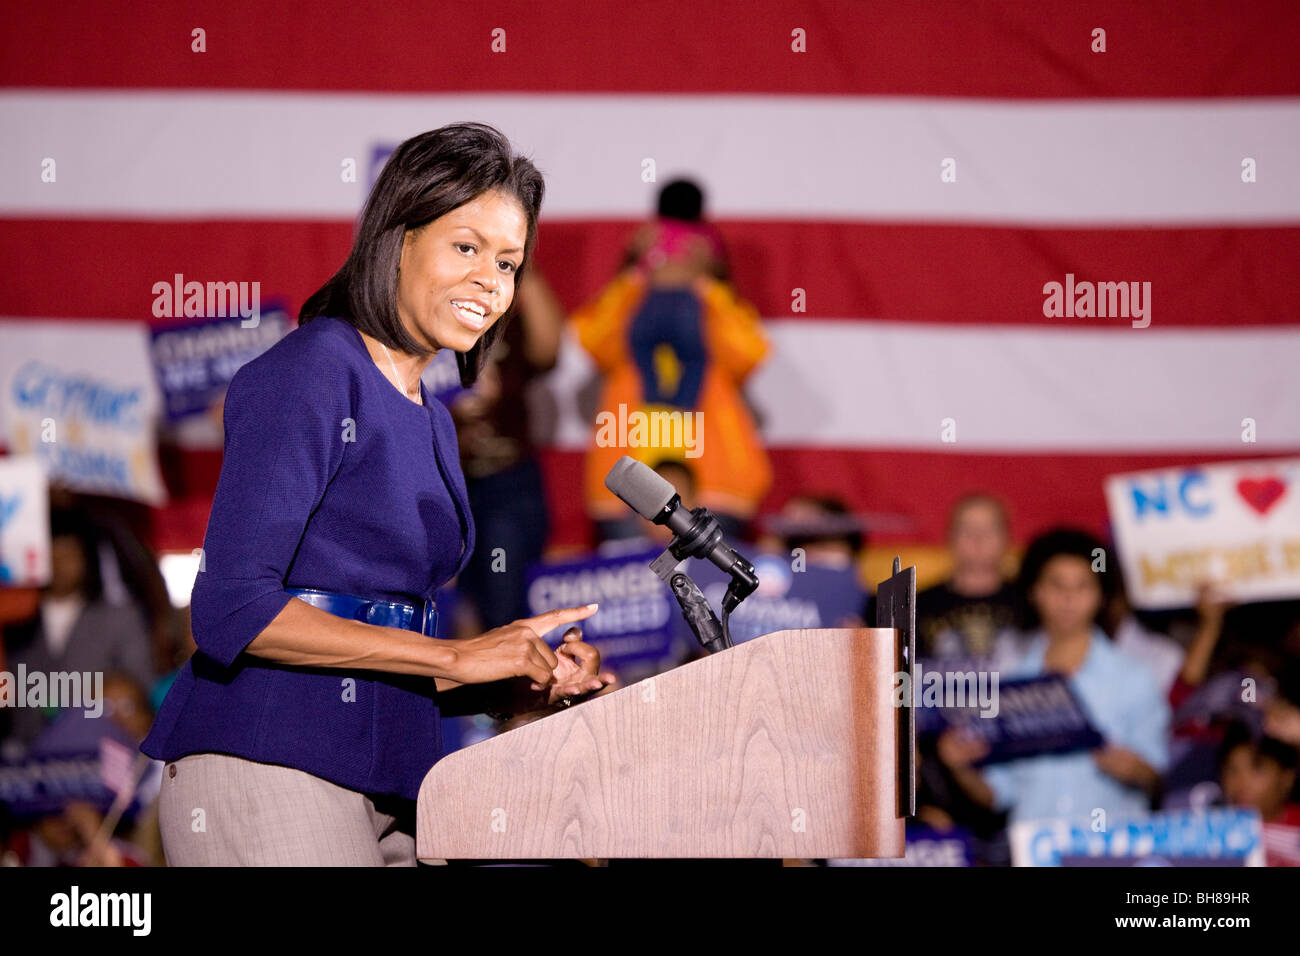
699 538
695 607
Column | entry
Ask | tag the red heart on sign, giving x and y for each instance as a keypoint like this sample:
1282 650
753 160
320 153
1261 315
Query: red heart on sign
1261 493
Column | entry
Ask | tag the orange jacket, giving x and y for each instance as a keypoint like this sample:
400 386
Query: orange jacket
720 445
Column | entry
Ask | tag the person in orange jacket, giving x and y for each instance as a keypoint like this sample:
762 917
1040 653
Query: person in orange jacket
674 344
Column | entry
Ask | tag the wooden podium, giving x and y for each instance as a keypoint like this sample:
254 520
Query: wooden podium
786 746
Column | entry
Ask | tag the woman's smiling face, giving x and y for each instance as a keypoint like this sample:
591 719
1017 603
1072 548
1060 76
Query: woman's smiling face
461 257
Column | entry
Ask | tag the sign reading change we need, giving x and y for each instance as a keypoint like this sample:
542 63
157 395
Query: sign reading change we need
1237 524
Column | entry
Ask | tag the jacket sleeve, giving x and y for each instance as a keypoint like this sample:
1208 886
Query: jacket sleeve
736 339
601 324
286 422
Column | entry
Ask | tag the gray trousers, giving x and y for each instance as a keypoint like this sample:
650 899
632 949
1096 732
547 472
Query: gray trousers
219 810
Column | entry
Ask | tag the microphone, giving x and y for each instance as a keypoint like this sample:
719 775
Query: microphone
696 533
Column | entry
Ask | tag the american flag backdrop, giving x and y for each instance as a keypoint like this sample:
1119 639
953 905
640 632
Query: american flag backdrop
896 183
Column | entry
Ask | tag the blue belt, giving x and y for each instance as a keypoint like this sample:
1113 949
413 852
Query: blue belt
422 617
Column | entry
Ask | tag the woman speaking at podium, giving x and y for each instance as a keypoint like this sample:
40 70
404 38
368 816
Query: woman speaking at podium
301 729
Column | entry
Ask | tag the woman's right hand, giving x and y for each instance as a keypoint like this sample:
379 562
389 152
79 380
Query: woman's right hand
513 650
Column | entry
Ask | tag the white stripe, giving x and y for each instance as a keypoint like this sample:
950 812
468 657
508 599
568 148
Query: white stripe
842 384
159 154
865 384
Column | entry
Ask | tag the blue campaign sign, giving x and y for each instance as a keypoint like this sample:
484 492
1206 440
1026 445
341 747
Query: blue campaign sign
1016 718
817 596
1220 836
635 623
38 786
196 360
62 765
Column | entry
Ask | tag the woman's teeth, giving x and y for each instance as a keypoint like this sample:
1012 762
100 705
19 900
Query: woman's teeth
470 315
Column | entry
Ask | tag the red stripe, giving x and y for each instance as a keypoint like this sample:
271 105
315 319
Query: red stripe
974 275
1040 490
1171 48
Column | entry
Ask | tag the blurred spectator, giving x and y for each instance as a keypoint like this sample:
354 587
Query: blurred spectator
82 833
1161 655
968 618
1259 773
1211 608
75 628
635 531
669 336
158 689
1061 602
821 527
972 613
502 474
128 567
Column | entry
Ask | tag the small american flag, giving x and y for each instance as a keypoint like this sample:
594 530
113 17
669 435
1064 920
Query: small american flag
116 765
1281 844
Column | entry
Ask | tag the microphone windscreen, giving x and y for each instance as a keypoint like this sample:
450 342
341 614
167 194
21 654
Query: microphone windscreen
644 491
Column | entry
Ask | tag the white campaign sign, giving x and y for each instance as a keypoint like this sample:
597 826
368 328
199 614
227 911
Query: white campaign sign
24 522
83 397
1236 523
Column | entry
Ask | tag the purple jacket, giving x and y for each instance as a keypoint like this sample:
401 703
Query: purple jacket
331 479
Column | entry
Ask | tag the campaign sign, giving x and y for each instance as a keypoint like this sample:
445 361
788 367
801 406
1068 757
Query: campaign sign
1016 718
24 522
66 762
82 397
41 785
634 625
195 361
1224 836
786 599
1237 524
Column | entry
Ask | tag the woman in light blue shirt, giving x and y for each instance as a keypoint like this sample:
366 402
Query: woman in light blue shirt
1062 599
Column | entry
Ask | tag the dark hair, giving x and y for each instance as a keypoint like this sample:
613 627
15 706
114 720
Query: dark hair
840 524
681 199
426 177
1072 542
1237 733
78 526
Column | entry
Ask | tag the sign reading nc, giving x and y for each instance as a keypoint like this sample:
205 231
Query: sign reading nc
1165 494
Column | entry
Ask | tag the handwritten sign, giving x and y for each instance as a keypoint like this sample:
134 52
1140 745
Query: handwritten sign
1237 524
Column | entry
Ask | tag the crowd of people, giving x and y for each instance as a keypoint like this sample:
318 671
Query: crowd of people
1165 691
